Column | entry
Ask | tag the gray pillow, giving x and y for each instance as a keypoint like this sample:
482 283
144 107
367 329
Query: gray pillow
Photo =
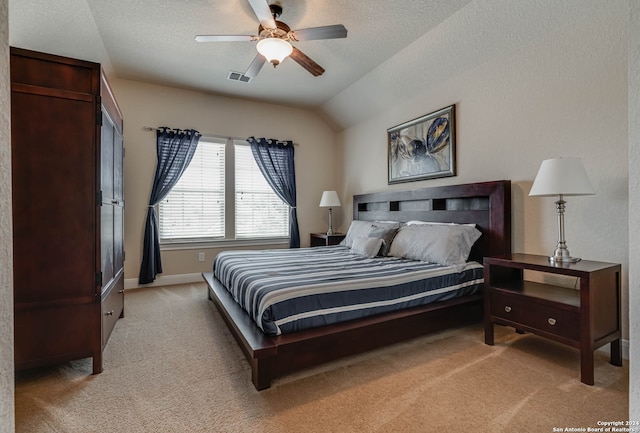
386 232
360 228
436 243
368 247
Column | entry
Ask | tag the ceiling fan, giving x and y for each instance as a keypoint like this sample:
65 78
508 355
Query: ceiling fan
274 39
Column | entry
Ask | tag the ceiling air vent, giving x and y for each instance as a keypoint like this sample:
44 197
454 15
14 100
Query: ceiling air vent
238 76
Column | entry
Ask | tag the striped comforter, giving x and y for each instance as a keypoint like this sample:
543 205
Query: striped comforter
290 290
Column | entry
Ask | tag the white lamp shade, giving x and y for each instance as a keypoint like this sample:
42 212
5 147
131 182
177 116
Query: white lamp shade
329 199
274 50
561 176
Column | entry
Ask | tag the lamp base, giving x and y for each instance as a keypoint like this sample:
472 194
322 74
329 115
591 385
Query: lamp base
560 260
561 254
330 231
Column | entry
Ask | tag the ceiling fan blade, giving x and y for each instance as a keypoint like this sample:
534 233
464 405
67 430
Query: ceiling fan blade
256 64
303 60
325 32
262 11
226 38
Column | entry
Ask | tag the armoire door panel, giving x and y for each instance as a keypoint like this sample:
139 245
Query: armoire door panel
118 238
53 179
106 249
106 159
118 167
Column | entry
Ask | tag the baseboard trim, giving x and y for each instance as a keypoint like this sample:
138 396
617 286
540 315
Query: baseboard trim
166 280
625 349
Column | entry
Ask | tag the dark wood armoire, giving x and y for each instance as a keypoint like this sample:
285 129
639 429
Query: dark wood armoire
68 209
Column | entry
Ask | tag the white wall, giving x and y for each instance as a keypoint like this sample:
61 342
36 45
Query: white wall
562 92
145 104
634 209
7 421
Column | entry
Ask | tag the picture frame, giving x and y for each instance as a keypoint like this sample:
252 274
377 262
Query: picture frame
423 148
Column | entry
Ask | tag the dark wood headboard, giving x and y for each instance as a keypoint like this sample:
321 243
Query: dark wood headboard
486 204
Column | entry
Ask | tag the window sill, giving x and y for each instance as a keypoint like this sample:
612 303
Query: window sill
169 246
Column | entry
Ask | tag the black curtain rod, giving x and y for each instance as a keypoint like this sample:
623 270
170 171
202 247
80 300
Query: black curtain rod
224 137
149 128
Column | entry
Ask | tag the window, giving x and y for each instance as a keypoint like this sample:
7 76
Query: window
222 195
259 211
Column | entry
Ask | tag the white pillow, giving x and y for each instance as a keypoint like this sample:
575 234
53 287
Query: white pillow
368 247
356 229
445 244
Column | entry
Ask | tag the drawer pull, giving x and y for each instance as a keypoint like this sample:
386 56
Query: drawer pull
507 309
551 321
109 313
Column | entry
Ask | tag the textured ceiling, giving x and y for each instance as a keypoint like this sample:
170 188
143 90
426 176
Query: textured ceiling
153 40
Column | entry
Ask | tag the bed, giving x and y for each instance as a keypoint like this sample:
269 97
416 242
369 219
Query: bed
273 354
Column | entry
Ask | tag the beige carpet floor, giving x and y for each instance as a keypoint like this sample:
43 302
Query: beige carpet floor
172 366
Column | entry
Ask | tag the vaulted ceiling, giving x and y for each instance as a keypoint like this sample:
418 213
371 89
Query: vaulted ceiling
153 40
393 48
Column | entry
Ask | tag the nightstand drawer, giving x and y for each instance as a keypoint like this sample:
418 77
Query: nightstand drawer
556 321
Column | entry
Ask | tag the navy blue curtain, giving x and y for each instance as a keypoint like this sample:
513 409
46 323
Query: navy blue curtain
174 149
275 160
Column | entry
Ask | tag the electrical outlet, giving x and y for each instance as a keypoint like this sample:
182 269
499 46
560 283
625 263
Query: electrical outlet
201 257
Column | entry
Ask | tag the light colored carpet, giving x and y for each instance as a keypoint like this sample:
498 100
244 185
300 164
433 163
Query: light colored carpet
172 366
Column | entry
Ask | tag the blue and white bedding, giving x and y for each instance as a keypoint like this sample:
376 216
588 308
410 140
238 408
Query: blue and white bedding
290 290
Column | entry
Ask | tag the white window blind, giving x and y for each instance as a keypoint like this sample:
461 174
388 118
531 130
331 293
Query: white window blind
259 212
194 209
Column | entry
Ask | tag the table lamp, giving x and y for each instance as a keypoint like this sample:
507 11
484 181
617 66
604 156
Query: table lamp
561 177
330 199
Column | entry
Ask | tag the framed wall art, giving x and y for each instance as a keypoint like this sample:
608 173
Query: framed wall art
423 148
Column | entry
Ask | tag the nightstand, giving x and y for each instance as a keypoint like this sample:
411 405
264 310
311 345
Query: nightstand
323 239
587 318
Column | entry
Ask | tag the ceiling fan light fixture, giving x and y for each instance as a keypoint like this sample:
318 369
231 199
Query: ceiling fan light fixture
275 50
